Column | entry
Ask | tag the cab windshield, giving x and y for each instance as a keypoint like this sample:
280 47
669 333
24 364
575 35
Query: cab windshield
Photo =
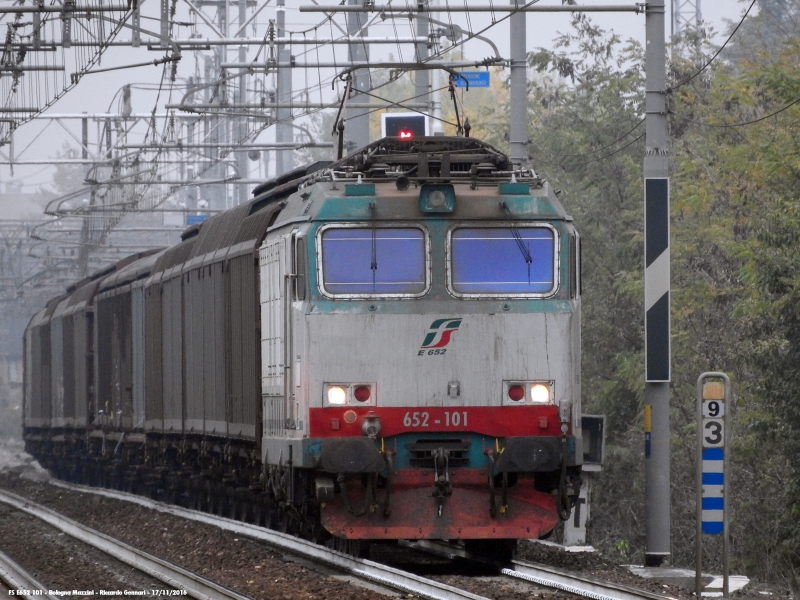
503 261
366 262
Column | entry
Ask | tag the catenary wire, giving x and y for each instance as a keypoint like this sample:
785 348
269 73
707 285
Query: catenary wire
717 53
743 124
620 138
609 155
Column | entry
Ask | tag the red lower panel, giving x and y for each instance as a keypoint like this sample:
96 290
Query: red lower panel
465 515
495 421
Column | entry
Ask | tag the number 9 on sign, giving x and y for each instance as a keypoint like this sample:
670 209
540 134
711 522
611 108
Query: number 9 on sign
713 433
714 409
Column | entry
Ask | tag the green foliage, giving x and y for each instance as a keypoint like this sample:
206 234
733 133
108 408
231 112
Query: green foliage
575 136
735 273
737 220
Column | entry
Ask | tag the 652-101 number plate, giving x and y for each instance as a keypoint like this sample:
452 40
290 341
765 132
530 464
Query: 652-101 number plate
423 419
495 421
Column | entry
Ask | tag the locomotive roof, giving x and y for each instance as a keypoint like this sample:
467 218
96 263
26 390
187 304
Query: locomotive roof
430 159
392 151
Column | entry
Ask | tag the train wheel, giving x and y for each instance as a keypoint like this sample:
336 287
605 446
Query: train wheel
495 550
357 548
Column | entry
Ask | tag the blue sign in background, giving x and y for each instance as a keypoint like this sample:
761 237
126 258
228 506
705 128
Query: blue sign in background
195 219
475 78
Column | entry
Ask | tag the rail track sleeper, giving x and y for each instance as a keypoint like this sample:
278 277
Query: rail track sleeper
18 579
365 569
171 574
586 586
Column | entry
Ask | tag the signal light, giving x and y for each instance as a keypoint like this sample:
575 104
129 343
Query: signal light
405 126
516 393
362 393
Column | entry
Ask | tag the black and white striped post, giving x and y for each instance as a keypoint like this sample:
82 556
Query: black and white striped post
656 293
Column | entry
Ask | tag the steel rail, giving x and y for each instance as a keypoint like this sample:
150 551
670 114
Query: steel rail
543 575
172 575
20 581
362 568
577 583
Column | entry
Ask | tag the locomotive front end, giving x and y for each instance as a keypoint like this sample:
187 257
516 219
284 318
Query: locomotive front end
435 352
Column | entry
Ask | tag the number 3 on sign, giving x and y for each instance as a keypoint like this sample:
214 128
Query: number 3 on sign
713 433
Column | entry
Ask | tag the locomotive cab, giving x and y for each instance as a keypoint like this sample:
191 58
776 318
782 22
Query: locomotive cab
421 326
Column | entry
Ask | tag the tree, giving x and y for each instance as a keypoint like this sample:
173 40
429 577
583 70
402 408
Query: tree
585 138
735 274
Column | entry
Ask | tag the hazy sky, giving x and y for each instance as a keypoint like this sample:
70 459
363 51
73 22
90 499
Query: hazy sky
96 93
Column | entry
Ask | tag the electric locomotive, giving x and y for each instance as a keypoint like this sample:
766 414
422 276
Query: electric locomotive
384 347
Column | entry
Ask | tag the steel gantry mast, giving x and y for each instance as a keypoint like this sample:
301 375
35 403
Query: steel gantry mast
687 16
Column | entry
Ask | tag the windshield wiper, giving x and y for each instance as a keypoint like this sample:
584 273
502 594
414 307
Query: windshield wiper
526 252
374 259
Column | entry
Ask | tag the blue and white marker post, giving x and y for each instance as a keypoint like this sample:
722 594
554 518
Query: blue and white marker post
713 401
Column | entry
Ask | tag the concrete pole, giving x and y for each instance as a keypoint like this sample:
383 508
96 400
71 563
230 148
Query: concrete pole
284 159
518 113
436 82
356 132
86 229
422 83
657 294
242 166
218 193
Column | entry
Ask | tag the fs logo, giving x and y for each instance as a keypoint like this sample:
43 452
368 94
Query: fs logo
438 336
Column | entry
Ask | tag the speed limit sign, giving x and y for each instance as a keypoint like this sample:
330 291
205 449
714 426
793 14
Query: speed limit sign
713 401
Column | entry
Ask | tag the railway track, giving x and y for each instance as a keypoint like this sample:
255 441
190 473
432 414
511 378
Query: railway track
14 578
581 585
386 576
363 569
172 575
546 576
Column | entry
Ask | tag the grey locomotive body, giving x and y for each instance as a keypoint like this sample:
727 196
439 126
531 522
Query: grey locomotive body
387 347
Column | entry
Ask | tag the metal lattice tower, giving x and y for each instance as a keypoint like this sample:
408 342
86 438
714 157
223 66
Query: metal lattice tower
686 16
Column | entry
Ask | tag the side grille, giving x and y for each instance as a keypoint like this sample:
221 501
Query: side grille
422 452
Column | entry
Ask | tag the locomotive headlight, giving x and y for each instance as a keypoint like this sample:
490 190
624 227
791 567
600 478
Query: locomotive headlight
439 198
540 393
337 395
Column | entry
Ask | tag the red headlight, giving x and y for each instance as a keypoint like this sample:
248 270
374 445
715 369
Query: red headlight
362 393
